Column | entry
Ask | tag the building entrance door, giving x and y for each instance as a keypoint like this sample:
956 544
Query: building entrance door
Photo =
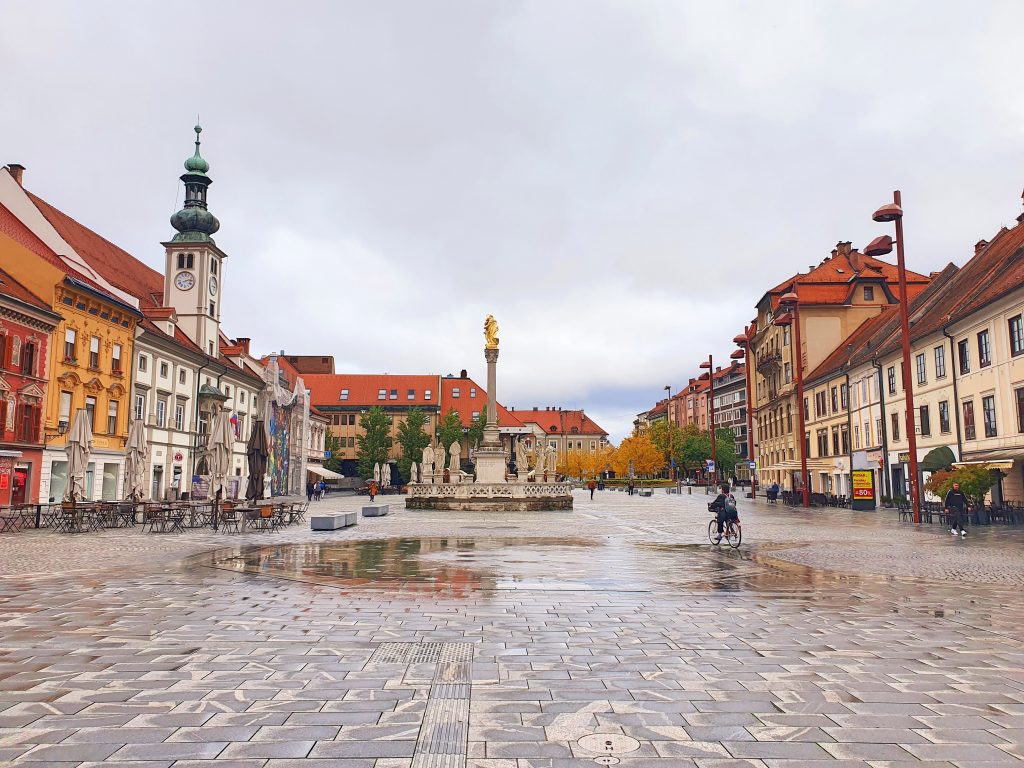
19 491
898 488
158 482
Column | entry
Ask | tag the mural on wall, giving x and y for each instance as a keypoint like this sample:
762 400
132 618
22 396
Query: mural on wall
286 413
278 459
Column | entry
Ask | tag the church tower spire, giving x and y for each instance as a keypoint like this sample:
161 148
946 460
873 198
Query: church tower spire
195 224
195 265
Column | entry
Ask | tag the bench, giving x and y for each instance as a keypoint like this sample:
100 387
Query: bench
375 510
332 521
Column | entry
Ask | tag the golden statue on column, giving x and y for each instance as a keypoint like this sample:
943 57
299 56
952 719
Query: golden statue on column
491 332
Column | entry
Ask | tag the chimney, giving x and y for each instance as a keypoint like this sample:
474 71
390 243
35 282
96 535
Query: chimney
17 172
463 374
243 342
980 245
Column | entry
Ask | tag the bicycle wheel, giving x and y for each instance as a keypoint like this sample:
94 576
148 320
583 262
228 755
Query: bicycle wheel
735 534
713 531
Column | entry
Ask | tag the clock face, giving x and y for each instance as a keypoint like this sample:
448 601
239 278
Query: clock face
185 280
213 285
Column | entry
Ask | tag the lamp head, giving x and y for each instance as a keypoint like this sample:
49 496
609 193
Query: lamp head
740 340
789 299
880 246
705 364
739 354
888 212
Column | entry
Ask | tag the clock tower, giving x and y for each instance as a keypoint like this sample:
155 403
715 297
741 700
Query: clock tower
194 264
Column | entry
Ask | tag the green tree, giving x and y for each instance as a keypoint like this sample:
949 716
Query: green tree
332 444
725 447
976 480
668 438
476 429
412 439
696 448
450 429
374 445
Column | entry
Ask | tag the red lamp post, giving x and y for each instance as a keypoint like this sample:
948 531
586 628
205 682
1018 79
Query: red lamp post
790 304
879 247
743 342
671 455
711 408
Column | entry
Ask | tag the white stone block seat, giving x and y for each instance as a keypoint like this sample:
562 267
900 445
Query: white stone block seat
332 521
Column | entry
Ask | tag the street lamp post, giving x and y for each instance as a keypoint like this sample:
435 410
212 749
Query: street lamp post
879 247
711 408
668 414
743 341
790 303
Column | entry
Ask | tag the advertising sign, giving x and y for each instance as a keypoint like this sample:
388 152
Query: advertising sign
863 488
711 465
904 457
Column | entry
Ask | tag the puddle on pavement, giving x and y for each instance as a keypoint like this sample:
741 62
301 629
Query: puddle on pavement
461 565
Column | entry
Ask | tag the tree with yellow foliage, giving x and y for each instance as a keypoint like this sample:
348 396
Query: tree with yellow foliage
646 458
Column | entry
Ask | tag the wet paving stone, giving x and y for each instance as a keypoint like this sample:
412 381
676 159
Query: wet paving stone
831 638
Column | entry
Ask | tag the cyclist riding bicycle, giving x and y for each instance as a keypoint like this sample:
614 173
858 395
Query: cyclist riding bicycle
724 506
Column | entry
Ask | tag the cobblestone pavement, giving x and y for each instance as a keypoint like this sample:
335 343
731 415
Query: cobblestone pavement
612 634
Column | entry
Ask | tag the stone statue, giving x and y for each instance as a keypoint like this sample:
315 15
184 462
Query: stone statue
552 459
491 332
438 459
376 473
522 460
413 474
428 459
454 454
538 465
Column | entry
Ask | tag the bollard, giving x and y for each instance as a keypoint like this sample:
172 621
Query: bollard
689 490
39 515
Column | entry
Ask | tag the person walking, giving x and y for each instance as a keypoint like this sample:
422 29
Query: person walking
309 491
956 507
591 486
630 486
372 488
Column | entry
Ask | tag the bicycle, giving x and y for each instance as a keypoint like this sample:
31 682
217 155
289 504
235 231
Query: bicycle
732 532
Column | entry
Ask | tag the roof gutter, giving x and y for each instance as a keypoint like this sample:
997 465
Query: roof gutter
954 364
885 440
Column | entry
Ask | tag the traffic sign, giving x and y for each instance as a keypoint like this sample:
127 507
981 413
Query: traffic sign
752 464
711 465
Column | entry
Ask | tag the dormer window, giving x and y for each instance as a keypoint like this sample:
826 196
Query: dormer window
344 395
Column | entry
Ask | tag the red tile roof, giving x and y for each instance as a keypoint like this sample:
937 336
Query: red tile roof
465 404
12 226
881 335
325 389
116 265
563 422
831 281
11 287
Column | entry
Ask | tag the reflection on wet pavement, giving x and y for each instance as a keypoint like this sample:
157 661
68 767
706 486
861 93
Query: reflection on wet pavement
458 565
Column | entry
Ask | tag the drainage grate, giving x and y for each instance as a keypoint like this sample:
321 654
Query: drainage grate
407 653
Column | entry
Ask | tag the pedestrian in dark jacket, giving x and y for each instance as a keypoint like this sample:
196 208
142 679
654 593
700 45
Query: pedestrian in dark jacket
956 508
309 491
591 486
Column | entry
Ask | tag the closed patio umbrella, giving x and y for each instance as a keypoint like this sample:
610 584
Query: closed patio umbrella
376 473
256 451
385 476
137 451
219 447
78 448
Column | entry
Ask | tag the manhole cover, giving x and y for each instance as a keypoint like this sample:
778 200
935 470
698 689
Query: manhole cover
606 760
608 744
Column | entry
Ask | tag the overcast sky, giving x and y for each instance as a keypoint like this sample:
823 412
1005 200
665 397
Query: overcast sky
618 183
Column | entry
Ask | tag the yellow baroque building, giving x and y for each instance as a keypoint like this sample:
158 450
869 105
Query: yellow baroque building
89 359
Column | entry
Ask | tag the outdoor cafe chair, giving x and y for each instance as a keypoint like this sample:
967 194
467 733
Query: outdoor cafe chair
230 520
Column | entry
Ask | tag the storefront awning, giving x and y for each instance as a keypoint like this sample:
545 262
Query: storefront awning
326 474
991 463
